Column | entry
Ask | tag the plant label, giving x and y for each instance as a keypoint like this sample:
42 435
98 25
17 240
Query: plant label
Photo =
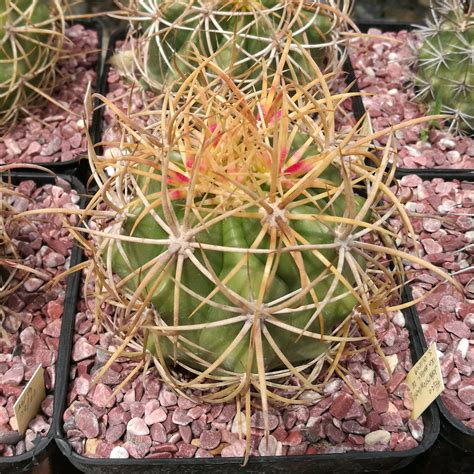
425 381
29 401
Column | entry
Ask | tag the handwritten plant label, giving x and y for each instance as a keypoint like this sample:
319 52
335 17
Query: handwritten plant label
28 404
425 381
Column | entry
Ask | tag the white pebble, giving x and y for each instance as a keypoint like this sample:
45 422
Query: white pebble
398 319
392 56
453 156
119 452
238 424
439 354
370 72
447 143
463 347
393 91
463 264
392 361
367 375
333 386
377 437
279 450
310 396
413 151
410 206
447 206
470 235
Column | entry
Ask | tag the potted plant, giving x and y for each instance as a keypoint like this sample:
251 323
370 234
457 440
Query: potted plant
35 250
49 60
445 317
398 65
228 247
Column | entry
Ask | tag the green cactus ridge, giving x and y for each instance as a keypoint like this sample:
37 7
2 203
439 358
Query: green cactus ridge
445 64
244 38
238 232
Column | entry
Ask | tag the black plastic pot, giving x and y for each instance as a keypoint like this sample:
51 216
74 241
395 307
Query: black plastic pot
452 429
394 26
70 167
354 462
45 447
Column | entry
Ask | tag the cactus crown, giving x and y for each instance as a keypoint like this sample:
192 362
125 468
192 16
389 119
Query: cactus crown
241 37
31 35
445 62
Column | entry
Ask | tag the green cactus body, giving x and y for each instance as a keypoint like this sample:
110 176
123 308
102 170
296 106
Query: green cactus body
238 232
27 54
445 68
243 37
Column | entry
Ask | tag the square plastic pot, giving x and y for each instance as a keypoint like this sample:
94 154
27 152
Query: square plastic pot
351 462
45 447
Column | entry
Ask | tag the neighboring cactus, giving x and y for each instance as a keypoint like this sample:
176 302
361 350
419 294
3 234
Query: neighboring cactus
243 37
445 63
31 36
236 237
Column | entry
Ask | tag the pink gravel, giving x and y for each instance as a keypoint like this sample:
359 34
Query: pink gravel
32 315
447 316
49 133
146 419
383 68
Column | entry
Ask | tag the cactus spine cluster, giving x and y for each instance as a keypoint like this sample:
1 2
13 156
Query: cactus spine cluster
31 35
243 37
445 63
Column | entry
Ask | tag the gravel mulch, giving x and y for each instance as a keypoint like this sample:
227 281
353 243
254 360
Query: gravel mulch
31 317
148 420
445 232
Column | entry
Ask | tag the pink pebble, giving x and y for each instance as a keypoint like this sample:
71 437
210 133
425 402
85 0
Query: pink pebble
341 405
167 398
157 416
137 427
82 350
13 376
466 395
210 439
87 422
236 449
458 328
379 398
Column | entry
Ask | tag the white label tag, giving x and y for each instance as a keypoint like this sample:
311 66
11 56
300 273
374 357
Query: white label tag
425 381
28 404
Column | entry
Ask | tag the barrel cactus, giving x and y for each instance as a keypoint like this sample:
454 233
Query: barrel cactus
445 62
243 37
237 239
31 35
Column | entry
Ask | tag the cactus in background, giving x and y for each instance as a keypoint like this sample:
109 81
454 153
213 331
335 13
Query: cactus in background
243 37
31 36
445 62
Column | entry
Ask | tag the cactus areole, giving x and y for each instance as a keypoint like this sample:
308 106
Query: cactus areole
242 37
239 230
